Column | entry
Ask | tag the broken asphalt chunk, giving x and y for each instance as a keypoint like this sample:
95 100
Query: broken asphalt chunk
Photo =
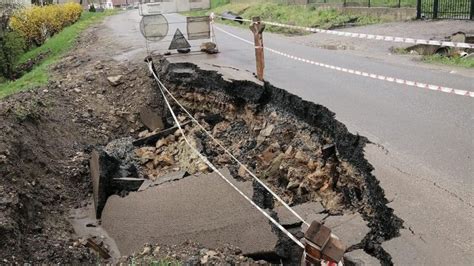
350 227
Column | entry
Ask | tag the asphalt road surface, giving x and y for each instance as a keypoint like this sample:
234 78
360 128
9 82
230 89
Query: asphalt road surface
201 208
424 148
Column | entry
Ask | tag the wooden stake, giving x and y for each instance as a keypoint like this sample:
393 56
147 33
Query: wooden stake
257 28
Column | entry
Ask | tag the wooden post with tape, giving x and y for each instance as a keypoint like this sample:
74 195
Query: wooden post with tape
321 247
257 28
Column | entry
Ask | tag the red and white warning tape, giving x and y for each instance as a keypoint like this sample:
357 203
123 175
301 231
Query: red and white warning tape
362 73
370 36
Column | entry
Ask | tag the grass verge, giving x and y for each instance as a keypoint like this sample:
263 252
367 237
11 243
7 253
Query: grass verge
307 16
452 61
57 46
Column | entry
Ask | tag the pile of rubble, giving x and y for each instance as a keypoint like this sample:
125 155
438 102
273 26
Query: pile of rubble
277 148
189 253
170 153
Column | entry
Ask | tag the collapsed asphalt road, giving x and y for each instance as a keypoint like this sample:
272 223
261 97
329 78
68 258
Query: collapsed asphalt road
45 162
299 149
423 153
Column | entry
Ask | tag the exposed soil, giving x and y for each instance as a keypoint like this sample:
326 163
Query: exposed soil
46 136
189 253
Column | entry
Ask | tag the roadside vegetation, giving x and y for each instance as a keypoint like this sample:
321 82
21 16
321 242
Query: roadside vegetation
452 60
308 16
34 39
373 3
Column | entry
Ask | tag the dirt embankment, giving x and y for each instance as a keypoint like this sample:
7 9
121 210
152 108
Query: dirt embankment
46 137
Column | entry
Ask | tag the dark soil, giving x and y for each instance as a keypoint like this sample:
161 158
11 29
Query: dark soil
46 137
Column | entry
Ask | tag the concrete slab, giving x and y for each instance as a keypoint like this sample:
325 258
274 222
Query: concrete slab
174 176
201 208
308 211
360 258
350 228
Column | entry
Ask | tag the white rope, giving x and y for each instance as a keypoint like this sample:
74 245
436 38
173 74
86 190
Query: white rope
367 36
205 160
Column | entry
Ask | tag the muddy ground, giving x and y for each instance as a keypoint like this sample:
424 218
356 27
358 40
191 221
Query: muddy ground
46 136
48 133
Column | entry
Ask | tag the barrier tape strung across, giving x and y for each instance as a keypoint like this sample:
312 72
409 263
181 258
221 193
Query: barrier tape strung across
369 36
206 161
362 73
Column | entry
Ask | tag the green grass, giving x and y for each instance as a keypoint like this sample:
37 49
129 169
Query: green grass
57 46
452 61
217 3
374 3
289 14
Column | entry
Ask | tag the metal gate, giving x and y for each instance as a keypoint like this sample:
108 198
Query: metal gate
445 9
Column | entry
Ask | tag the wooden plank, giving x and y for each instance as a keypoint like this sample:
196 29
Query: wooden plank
318 234
152 139
103 252
257 29
334 250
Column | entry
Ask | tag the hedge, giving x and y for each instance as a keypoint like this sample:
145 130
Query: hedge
36 23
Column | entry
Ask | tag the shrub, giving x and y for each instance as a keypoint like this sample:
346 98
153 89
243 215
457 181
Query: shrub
12 45
37 23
